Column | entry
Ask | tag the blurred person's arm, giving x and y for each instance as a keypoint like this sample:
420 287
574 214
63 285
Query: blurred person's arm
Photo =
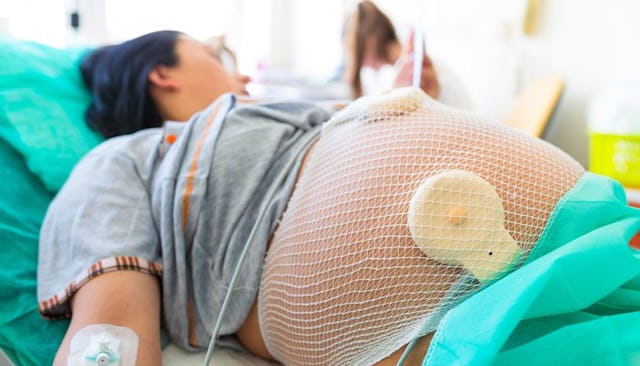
428 79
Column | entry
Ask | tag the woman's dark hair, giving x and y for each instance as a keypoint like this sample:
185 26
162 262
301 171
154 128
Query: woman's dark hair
117 77
370 24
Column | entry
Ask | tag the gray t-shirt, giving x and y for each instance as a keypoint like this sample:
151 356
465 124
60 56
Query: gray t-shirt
183 211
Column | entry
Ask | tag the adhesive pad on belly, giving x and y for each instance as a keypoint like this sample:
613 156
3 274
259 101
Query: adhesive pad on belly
397 102
457 218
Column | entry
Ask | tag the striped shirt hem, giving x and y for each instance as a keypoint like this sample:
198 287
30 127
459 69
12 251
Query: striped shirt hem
58 306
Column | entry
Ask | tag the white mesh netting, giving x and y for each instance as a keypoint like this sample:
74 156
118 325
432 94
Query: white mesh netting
403 207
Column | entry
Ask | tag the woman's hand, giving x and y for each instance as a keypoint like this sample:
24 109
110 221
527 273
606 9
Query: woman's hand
242 81
428 78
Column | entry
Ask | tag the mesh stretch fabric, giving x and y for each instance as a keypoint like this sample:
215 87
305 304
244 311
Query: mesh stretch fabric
344 281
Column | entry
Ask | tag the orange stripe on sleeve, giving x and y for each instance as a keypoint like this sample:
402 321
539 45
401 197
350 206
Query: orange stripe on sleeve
188 190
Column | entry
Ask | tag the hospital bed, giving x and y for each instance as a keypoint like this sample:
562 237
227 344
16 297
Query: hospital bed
42 136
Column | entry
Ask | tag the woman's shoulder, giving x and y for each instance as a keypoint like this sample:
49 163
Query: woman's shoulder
134 155
135 145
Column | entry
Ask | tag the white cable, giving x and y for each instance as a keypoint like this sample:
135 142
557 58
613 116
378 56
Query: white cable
418 56
285 172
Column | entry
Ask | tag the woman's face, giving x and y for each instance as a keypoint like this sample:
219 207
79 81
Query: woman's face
201 73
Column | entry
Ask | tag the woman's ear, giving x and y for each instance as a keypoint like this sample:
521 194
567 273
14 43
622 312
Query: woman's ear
161 77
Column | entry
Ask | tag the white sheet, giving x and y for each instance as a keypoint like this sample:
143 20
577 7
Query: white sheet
174 356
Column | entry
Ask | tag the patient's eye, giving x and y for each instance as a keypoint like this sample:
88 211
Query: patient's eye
213 52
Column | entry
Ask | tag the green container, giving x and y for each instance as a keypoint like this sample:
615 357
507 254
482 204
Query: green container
617 156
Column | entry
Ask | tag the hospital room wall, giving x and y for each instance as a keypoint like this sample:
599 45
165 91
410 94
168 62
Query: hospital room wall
592 44
588 43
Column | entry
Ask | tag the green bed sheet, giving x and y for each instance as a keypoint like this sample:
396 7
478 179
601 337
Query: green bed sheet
42 136
576 301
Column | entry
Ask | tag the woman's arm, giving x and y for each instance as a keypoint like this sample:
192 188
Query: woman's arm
124 298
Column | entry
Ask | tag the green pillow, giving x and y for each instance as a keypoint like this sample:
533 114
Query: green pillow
26 337
42 104
42 136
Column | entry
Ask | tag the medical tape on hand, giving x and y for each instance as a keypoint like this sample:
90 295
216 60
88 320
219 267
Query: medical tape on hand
104 345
